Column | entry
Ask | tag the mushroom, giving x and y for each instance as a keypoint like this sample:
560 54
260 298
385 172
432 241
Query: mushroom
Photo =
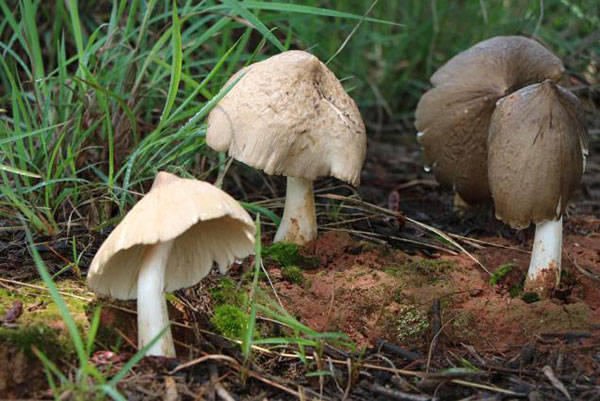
289 115
453 117
537 148
169 240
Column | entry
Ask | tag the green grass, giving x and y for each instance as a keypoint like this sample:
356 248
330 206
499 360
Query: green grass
96 97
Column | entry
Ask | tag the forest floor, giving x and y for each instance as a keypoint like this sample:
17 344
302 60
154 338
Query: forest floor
427 318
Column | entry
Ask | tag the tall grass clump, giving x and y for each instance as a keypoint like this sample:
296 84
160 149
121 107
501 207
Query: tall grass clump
96 96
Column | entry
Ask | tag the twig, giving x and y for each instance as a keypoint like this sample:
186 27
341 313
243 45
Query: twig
40 288
408 355
397 394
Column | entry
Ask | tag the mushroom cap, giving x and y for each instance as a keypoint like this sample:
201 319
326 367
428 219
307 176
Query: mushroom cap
454 116
205 223
289 115
537 147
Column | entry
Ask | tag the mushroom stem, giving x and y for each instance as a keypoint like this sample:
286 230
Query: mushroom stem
544 268
151 301
299 221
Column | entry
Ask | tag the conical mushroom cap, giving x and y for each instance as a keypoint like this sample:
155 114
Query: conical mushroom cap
453 117
206 224
289 115
537 147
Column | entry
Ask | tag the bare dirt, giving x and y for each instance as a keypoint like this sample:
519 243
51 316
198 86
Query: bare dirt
379 292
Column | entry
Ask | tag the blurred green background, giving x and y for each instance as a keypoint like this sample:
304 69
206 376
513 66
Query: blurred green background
96 97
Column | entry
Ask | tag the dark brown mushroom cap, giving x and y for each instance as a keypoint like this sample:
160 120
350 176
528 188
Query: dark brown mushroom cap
536 153
453 117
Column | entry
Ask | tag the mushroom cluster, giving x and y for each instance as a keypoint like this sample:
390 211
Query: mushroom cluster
169 240
453 118
497 126
285 115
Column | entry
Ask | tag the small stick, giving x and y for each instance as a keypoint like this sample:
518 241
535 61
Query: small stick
397 394
408 355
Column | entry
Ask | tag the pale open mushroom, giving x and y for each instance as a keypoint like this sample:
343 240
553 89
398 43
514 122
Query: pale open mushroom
289 115
453 118
169 240
537 148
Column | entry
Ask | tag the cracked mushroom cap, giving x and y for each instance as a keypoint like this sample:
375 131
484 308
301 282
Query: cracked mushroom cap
206 224
453 118
537 148
289 115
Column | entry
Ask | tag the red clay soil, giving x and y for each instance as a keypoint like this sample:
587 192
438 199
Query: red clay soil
375 292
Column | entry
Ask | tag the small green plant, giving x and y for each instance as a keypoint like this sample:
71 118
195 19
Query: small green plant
229 320
502 271
292 274
515 290
530 297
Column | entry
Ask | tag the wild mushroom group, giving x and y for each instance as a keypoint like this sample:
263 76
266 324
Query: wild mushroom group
497 126
287 115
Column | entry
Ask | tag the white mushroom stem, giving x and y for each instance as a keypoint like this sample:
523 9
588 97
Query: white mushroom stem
151 301
299 221
544 268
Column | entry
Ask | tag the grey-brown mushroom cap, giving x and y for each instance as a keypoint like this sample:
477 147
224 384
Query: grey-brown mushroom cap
206 226
454 120
537 148
504 63
289 115
453 117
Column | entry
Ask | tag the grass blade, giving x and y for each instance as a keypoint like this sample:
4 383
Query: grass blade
243 12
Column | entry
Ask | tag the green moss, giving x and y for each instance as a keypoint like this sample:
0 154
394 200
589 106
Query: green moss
421 271
41 323
410 323
292 274
501 272
227 292
230 321
287 254
461 325
515 290
284 253
530 297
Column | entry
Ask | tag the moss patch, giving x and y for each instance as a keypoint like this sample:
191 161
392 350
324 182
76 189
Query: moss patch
227 292
41 324
411 323
501 272
286 255
421 272
230 321
292 274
